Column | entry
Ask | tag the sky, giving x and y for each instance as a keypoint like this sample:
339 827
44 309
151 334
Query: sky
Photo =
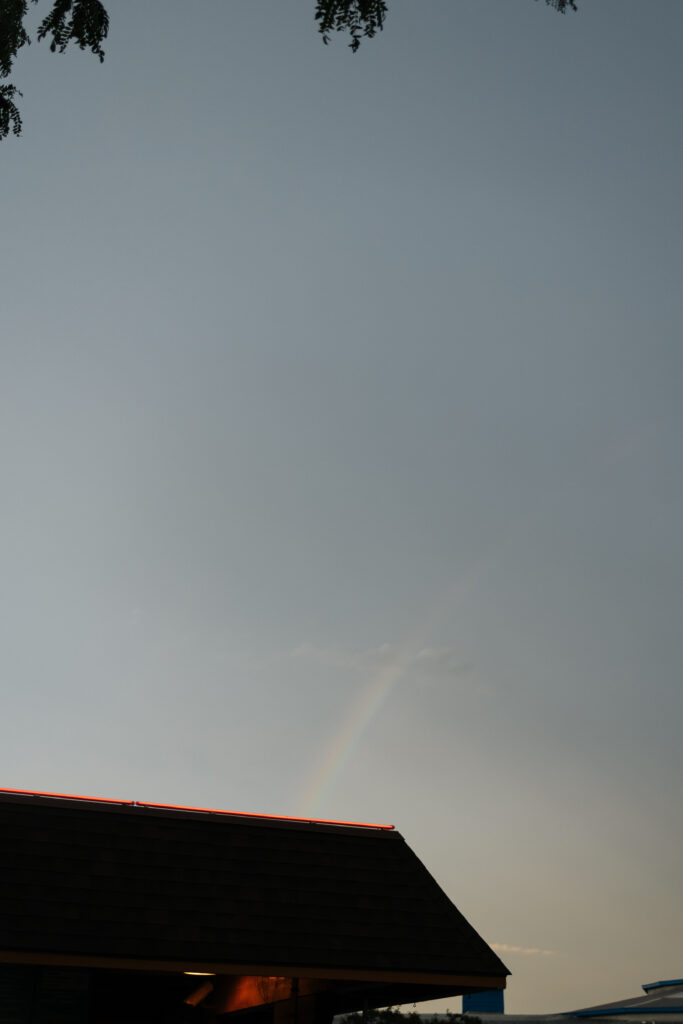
340 434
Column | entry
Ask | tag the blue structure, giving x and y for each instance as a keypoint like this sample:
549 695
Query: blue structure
491 1001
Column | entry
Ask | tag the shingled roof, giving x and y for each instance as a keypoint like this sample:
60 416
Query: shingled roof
102 882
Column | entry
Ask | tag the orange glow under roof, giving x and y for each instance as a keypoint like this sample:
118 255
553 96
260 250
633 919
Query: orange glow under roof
197 810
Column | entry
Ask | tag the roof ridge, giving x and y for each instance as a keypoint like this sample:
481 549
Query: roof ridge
196 810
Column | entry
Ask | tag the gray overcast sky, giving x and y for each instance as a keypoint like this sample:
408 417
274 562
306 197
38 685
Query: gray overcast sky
340 432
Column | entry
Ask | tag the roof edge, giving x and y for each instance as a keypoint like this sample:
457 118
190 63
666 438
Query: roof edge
144 805
478 981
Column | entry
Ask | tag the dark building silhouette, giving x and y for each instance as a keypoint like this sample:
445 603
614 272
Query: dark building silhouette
124 913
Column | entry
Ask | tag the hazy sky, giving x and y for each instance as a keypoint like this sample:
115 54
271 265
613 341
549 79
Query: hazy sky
340 433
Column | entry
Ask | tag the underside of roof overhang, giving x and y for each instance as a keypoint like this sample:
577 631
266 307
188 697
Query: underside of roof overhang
203 992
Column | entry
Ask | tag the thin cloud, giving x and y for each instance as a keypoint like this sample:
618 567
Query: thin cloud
330 657
426 664
502 947
442 661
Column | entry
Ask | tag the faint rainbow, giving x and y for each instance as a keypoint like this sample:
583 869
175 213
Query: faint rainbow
369 703
354 725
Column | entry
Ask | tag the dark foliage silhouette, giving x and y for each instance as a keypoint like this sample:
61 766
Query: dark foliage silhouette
86 23
393 1015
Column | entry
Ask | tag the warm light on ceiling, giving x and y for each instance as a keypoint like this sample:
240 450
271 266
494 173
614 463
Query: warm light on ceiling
201 974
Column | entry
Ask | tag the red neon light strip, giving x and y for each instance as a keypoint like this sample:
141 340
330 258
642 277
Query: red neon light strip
199 810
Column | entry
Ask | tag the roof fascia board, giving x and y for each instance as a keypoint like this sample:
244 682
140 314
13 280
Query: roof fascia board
265 970
89 803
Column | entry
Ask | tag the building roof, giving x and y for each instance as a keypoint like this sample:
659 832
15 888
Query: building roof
85 880
650 986
663 997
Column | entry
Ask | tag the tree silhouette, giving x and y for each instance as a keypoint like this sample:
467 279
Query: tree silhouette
86 23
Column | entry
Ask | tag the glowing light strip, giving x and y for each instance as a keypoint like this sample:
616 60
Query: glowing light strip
197 810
